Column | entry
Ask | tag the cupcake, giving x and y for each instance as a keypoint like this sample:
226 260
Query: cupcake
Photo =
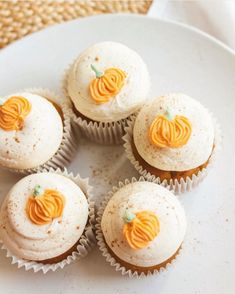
35 131
172 140
45 220
107 83
141 227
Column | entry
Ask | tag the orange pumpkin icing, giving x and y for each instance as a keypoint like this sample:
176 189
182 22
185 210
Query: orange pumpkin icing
109 84
174 133
142 229
42 209
13 113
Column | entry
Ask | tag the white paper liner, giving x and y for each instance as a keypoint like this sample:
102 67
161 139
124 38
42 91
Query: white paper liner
107 133
102 244
178 186
68 145
86 242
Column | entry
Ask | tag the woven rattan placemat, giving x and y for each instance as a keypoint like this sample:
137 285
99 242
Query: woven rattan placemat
19 18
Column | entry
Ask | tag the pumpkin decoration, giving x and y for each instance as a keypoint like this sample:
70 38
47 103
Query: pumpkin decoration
13 113
140 228
107 84
43 207
166 131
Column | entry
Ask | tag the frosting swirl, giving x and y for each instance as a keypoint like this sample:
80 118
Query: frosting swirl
140 229
13 113
42 209
167 132
107 85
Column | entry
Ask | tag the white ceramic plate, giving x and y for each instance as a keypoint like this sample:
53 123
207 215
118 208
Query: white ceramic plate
179 59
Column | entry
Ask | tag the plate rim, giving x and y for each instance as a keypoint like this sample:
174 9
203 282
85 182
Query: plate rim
184 26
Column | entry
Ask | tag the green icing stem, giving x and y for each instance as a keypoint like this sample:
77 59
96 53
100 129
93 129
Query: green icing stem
98 74
168 114
1 101
128 216
37 191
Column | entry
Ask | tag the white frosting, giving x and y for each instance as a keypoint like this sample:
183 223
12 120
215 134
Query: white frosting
193 154
137 197
132 95
40 242
38 141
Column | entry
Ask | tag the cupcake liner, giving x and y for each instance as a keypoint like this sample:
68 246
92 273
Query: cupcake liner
86 242
102 244
108 133
68 145
178 186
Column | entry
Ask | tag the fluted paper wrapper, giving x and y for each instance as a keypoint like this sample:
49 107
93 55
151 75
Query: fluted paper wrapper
102 244
108 133
178 186
86 242
68 145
